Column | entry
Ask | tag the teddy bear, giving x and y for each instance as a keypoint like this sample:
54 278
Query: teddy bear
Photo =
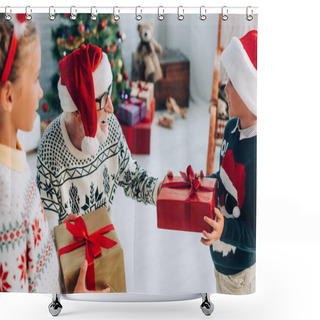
147 49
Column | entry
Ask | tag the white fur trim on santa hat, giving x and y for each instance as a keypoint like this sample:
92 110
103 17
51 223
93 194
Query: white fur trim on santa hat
66 101
228 183
90 145
236 212
102 78
241 72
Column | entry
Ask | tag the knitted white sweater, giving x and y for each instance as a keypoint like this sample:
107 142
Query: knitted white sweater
72 182
28 259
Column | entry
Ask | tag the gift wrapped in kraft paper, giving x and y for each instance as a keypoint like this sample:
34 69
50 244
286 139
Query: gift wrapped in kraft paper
143 90
184 200
91 237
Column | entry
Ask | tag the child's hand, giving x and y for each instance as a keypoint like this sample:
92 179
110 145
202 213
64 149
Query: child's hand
217 226
81 283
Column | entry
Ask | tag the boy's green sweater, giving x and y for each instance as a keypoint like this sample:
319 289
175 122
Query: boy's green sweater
236 199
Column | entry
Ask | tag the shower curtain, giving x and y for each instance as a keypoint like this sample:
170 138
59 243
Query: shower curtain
157 132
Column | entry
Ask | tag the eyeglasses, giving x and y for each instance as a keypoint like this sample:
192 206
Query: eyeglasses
103 100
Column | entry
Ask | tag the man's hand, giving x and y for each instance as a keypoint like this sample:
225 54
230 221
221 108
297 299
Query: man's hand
217 226
81 283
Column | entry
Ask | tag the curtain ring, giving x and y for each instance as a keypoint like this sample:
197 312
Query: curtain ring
224 13
52 13
203 12
249 16
7 16
116 17
160 15
73 13
138 16
93 15
28 13
180 15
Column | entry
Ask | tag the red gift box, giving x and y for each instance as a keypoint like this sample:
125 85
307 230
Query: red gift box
138 137
184 200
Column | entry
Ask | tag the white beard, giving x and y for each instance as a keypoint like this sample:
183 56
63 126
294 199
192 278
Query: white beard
101 135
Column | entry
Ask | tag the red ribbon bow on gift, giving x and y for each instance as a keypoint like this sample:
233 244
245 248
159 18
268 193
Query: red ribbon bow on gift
194 182
141 88
190 180
93 243
138 103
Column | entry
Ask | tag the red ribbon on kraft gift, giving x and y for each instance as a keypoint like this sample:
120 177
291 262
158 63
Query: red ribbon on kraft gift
192 181
141 88
93 243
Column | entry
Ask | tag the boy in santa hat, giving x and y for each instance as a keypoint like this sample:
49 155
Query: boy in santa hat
233 239
83 155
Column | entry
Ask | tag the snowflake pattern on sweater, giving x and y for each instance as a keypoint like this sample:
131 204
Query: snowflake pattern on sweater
28 259
73 182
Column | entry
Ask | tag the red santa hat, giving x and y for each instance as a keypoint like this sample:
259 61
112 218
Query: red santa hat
85 75
240 61
233 177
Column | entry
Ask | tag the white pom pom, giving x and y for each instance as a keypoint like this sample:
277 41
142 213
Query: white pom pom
236 212
19 28
90 145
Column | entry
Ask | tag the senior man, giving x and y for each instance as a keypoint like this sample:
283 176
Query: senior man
83 156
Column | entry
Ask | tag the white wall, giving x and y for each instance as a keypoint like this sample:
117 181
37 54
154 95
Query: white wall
196 39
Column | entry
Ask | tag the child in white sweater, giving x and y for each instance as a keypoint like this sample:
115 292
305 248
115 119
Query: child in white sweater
28 259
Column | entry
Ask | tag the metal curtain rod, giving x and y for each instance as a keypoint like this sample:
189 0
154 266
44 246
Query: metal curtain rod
130 10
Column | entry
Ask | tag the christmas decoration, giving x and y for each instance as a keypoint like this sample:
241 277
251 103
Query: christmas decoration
103 32
45 107
81 28
102 25
119 78
120 63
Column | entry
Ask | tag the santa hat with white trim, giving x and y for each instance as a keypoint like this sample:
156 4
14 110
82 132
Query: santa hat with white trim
240 61
85 75
233 177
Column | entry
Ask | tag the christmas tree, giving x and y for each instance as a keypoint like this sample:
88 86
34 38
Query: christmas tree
103 32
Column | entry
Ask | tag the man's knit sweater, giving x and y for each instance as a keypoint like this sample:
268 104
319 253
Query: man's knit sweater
236 199
28 259
73 182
